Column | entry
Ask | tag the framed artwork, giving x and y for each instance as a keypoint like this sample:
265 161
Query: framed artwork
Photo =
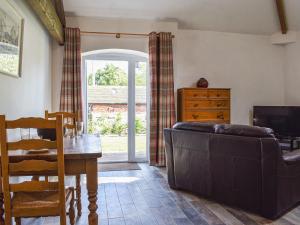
11 39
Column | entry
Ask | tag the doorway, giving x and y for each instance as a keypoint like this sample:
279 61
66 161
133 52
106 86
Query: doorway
116 99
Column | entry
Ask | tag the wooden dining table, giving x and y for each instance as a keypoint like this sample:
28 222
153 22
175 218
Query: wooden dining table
81 157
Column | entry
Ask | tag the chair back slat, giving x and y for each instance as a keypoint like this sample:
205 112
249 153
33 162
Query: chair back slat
65 115
34 186
37 123
69 119
32 166
34 144
41 167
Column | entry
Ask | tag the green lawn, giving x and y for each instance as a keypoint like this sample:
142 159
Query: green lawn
119 144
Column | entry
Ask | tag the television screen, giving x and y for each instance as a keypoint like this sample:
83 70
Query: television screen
284 120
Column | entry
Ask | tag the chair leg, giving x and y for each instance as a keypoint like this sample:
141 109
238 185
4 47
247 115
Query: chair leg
71 210
78 195
18 220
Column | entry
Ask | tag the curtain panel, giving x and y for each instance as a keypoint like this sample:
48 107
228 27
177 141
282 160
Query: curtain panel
71 92
162 105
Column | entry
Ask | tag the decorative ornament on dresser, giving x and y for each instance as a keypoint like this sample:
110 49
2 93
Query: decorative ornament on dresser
202 83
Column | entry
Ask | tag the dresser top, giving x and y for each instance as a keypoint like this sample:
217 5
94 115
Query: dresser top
204 89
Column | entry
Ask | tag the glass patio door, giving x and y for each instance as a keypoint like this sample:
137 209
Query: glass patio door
116 104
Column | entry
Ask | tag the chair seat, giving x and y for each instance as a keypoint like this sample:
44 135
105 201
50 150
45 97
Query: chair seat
29 204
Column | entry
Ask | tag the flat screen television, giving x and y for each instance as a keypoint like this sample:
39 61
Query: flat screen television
284 120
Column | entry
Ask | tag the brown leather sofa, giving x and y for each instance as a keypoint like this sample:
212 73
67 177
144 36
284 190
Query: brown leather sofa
237 165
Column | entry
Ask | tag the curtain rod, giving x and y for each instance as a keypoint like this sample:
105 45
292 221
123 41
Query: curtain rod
118 35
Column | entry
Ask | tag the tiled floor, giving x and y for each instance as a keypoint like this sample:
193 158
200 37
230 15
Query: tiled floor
142 197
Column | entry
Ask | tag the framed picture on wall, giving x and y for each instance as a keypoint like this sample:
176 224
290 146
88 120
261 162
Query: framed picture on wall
11 39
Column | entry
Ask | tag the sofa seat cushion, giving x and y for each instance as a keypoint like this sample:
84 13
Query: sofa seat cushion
244 130
195 126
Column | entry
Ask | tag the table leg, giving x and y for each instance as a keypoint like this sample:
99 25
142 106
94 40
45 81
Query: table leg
92 188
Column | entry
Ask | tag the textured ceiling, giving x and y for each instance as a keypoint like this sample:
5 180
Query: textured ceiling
241 16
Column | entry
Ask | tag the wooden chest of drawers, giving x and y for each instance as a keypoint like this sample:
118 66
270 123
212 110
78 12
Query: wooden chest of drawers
203 105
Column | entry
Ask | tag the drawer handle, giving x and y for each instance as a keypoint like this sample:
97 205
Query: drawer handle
221 104
195 95
218 95
195 116
220 115
196 105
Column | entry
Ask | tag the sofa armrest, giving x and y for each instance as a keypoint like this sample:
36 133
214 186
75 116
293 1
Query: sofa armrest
290 165
292 158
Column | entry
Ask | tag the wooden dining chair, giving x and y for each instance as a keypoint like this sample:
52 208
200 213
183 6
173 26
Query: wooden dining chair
70 120
34 198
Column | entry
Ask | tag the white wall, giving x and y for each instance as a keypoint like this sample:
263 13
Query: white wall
29 95
249 64
292 72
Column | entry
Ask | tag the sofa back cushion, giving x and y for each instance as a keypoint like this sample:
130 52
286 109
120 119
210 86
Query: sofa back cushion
236 170
195 126
244 130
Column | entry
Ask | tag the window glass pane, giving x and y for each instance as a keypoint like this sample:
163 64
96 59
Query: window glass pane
107 96
140 110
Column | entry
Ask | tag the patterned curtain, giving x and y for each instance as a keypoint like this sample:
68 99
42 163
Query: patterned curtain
162 114
71 93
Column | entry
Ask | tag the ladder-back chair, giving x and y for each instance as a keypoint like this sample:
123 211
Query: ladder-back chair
34 198
70 120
